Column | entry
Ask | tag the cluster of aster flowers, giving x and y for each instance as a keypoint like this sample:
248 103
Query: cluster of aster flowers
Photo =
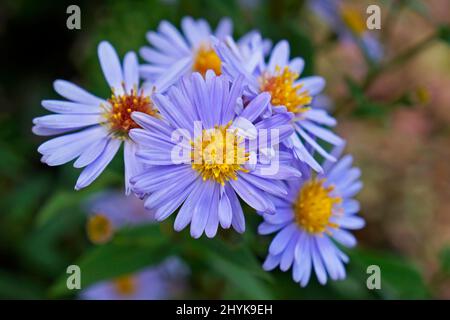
349 25
206 122
108 212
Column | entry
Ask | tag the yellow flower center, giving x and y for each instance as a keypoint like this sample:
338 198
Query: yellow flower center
217 154
423 95
283 90
206 58
314 207
99 229
353 20
119 116
125 286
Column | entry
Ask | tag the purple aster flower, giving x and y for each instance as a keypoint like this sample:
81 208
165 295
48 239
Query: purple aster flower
349 24
280 77
318 211
110 211
252 47
208 124
165 281
101 125
192 50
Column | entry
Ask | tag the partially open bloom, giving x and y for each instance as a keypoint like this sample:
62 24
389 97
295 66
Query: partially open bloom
192 50
280 77
164 281
318 210
207 123
101 125
349 25
110 211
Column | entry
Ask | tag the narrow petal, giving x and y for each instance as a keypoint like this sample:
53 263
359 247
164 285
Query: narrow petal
213 219
70 107
225 211
287 257
273 187
280 55
173 74
131 71
317 263
252 196
110 63
133 167
224 28
313 84
91 153
238 221
281 240
256 107
56 143
322 133
184 216
202 209
75 93
272 261
68 121
92 171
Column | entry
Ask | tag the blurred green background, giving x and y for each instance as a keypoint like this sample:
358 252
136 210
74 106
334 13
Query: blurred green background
395 116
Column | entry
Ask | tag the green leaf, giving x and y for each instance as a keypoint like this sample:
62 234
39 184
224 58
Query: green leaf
418 6
19 287
26 196
131 250
444 33
238 266
364 106
66 201
445 260
57 204
400 279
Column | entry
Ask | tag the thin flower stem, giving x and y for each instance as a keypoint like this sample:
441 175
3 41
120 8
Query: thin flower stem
347 104
398 60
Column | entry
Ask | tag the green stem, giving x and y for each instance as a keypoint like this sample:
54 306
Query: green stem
398 60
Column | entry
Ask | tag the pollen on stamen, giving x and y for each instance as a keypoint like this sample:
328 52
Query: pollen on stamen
314 207
119 116
218 155
283 90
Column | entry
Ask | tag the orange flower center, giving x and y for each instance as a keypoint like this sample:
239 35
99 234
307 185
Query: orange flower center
125 286
99 229
119 116
207 59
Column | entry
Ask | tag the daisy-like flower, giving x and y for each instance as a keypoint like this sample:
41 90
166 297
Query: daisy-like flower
318 211
219 164
253 49
192 50
164 281
349 25
101 125
280 77
110 211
